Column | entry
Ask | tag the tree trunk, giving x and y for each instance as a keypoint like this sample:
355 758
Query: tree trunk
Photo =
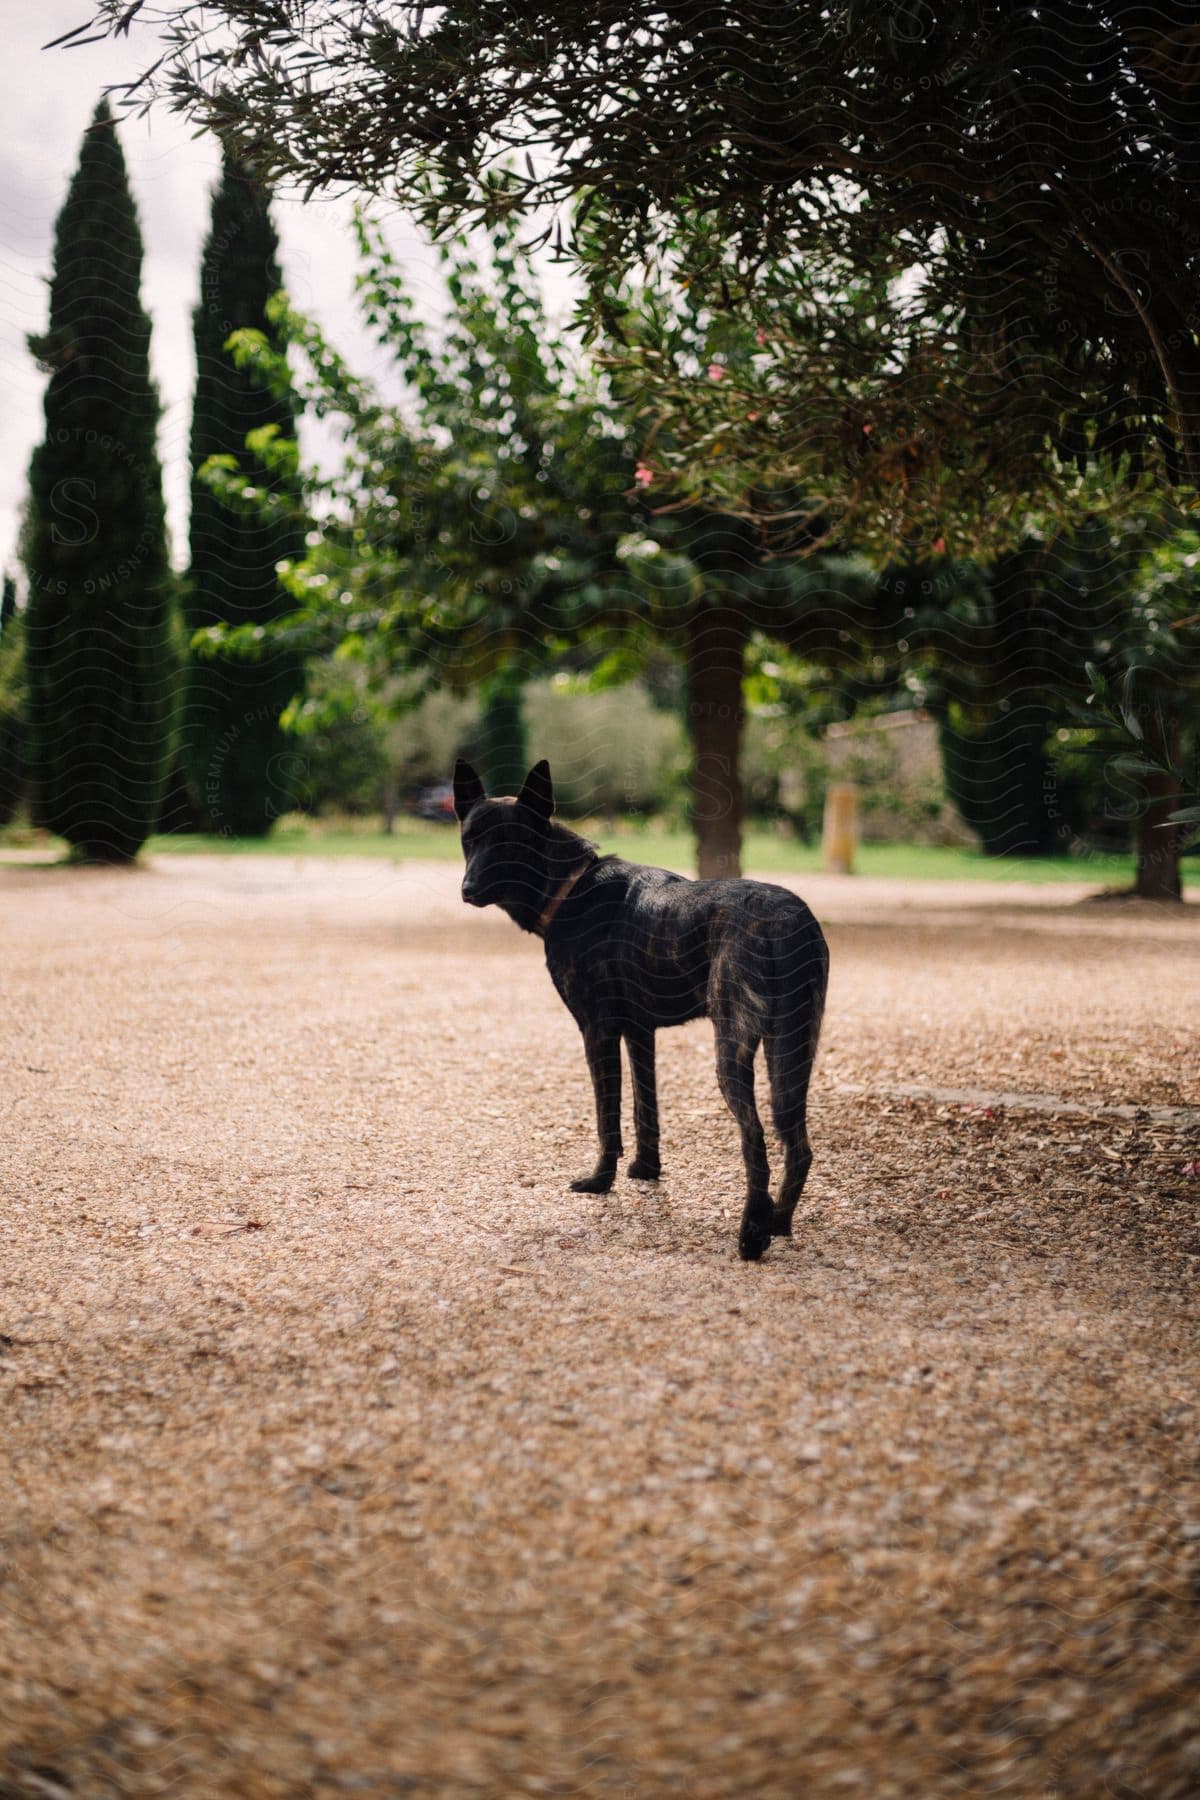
1158 872
716 658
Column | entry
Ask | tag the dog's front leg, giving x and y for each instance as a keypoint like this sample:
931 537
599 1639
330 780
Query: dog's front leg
604 1061
645 1165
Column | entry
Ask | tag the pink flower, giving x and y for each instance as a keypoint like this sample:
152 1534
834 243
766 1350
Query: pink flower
753 418
760 336
716 371
643 476
939 545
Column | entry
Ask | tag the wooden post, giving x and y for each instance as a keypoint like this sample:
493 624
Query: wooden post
840 836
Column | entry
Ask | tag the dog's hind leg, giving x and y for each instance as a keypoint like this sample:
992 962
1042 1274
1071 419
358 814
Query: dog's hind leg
645 1165
604 1062
735 1076
789 1105
791 1049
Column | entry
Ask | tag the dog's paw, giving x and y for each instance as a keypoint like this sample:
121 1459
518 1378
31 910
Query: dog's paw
643 1169
781 1222
592 1184
753 1238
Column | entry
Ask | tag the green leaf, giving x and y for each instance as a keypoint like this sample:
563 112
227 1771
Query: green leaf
1134 765
1099 682
1133 724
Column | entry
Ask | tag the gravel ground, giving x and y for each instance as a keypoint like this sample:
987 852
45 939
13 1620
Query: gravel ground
348 1452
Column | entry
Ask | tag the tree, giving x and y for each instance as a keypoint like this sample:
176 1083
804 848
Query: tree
101 651
1056 626
1145 696
339 734
1035 167
504 527
1065 584
1002 662
475 527
12 703
236 756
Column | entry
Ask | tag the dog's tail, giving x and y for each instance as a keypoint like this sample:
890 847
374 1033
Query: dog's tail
801 980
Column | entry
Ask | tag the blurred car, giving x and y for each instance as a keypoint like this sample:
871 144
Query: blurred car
434 803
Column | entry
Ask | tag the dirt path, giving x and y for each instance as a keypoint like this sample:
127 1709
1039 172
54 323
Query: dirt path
347 1452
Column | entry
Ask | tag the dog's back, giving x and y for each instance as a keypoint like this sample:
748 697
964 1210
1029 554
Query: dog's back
655 949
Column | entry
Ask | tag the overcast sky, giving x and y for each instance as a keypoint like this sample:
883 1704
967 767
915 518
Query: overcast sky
46 100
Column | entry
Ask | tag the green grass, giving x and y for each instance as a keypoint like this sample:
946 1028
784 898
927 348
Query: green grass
765 852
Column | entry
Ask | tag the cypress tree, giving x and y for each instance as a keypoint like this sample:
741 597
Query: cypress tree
233 750
101 649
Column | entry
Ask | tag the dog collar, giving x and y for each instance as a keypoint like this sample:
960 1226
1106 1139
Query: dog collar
556 899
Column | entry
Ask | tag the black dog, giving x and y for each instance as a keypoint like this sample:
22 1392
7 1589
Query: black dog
630 949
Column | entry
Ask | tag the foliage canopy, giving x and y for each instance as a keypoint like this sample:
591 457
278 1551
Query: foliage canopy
1035 170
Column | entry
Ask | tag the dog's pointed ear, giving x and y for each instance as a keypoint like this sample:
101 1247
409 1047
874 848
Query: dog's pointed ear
468 789
537 795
